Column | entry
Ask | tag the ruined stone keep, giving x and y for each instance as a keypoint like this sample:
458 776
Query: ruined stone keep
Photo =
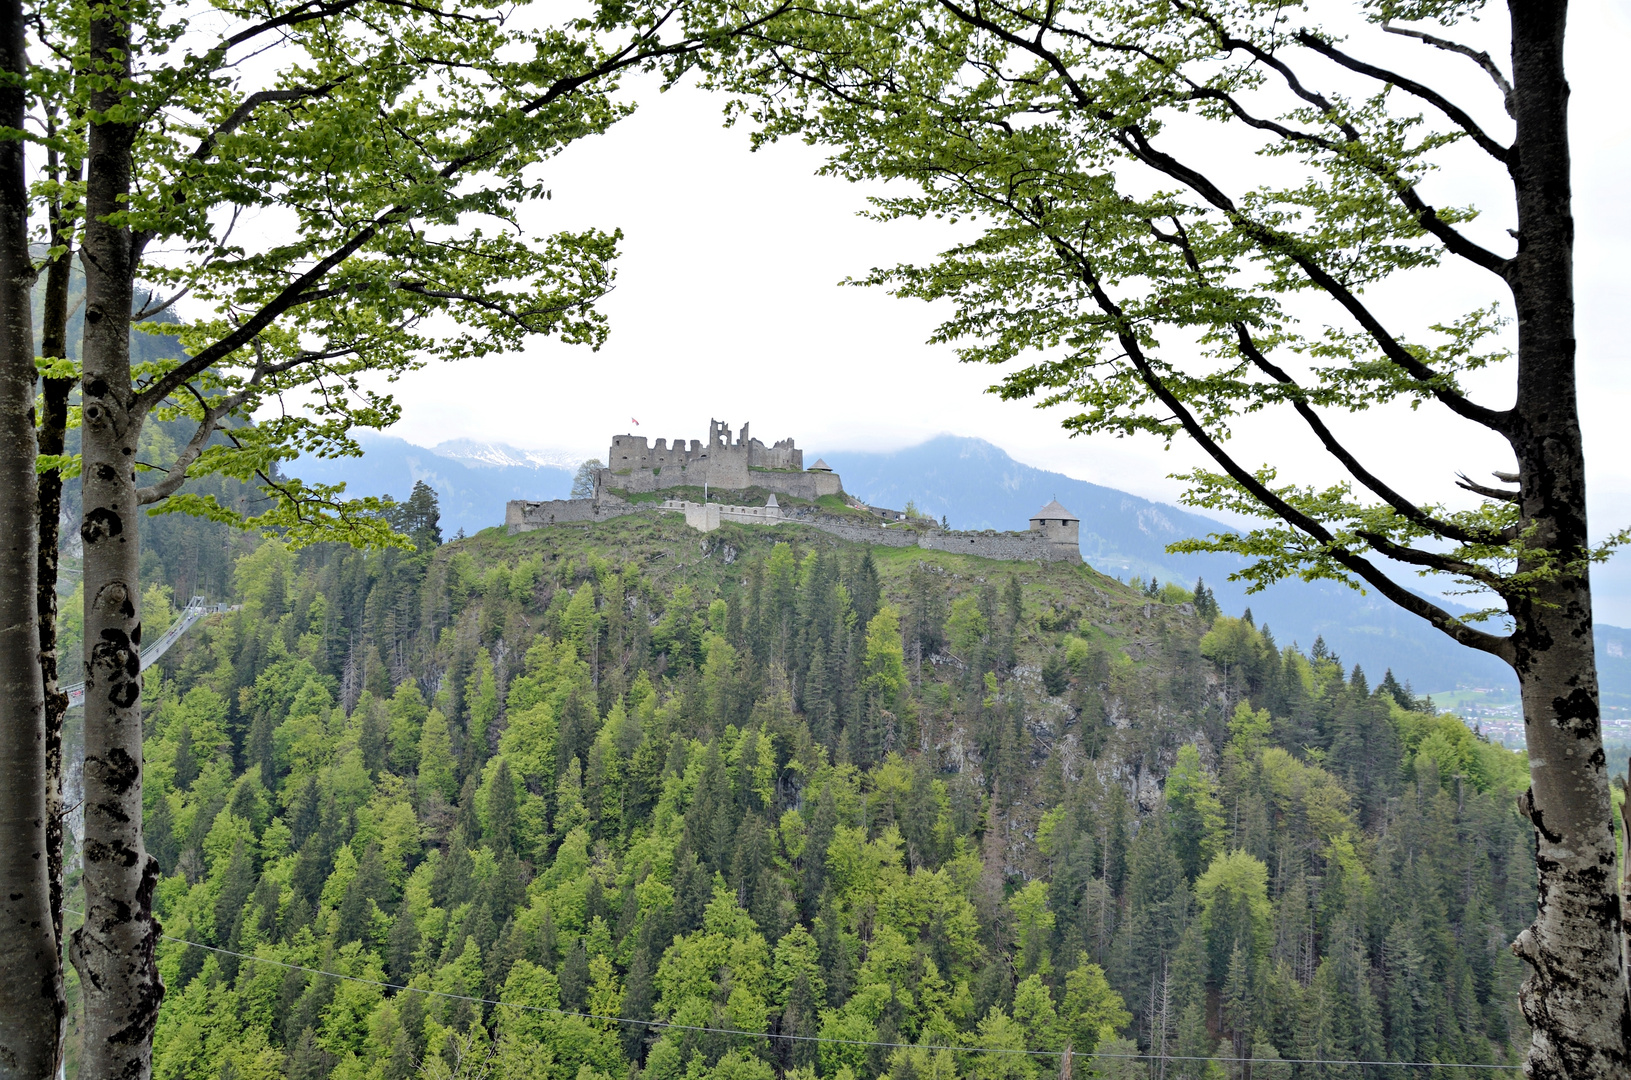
731 465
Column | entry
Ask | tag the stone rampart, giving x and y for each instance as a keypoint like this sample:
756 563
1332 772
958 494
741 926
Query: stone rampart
1008 546
522 515
800 485
706 517
1014 546
862 534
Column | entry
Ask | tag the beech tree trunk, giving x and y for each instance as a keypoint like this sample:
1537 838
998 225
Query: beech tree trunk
114 949
31 1002
52 436
1575 997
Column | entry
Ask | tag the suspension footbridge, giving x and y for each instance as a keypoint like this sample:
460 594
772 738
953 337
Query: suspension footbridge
196 609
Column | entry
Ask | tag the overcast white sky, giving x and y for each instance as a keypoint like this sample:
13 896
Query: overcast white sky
728 306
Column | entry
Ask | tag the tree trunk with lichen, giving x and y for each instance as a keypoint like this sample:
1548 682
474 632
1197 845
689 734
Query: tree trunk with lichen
31 1000
1576 995
114 949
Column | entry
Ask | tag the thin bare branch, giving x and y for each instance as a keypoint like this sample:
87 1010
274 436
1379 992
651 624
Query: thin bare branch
149 310
1482 59
176 475
1467 484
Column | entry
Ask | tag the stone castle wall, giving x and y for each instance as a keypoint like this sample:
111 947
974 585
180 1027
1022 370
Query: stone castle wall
1009 546
861 534
521 515
706 517
1018 546
800 485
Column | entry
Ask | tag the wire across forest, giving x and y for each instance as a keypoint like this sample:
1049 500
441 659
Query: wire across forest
664 1025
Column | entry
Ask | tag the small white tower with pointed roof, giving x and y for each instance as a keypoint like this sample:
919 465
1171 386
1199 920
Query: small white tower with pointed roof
1060 526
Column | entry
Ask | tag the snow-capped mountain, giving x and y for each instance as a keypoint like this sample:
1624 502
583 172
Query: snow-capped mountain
505 456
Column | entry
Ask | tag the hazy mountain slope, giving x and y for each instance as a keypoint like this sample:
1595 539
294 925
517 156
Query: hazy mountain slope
472 490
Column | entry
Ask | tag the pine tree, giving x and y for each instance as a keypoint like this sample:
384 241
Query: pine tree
501 811
419 518
236 886
436 772
798 1022
638 997
357 906
185 769
158 831
575 978
1157 896
402 947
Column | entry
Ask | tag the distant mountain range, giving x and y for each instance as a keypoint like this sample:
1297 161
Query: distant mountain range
975 485
473 480
503 456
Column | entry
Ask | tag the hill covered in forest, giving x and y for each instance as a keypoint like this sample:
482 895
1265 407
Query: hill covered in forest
596 802
976 485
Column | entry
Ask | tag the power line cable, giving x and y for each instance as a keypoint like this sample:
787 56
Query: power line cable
820 1039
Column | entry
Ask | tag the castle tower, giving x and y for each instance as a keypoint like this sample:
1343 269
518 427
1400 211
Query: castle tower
1058 525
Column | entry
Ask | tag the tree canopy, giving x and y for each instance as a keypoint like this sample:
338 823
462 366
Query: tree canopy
440 771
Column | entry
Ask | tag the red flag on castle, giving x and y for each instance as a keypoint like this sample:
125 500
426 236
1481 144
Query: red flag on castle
633 421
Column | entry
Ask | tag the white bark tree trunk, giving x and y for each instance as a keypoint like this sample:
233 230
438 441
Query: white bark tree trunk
114 950
1576 995
32 1011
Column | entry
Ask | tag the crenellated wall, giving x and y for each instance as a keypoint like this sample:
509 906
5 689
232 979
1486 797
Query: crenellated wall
633 464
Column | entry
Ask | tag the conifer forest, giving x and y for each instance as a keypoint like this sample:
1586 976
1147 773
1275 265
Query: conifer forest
615 801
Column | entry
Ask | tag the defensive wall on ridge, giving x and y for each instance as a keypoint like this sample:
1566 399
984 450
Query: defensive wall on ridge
1031 546
523 515
1035 545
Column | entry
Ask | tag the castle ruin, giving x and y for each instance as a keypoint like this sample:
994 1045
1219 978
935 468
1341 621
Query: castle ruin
634 467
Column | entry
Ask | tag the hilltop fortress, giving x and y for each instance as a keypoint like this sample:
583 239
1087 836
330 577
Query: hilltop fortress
636 471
